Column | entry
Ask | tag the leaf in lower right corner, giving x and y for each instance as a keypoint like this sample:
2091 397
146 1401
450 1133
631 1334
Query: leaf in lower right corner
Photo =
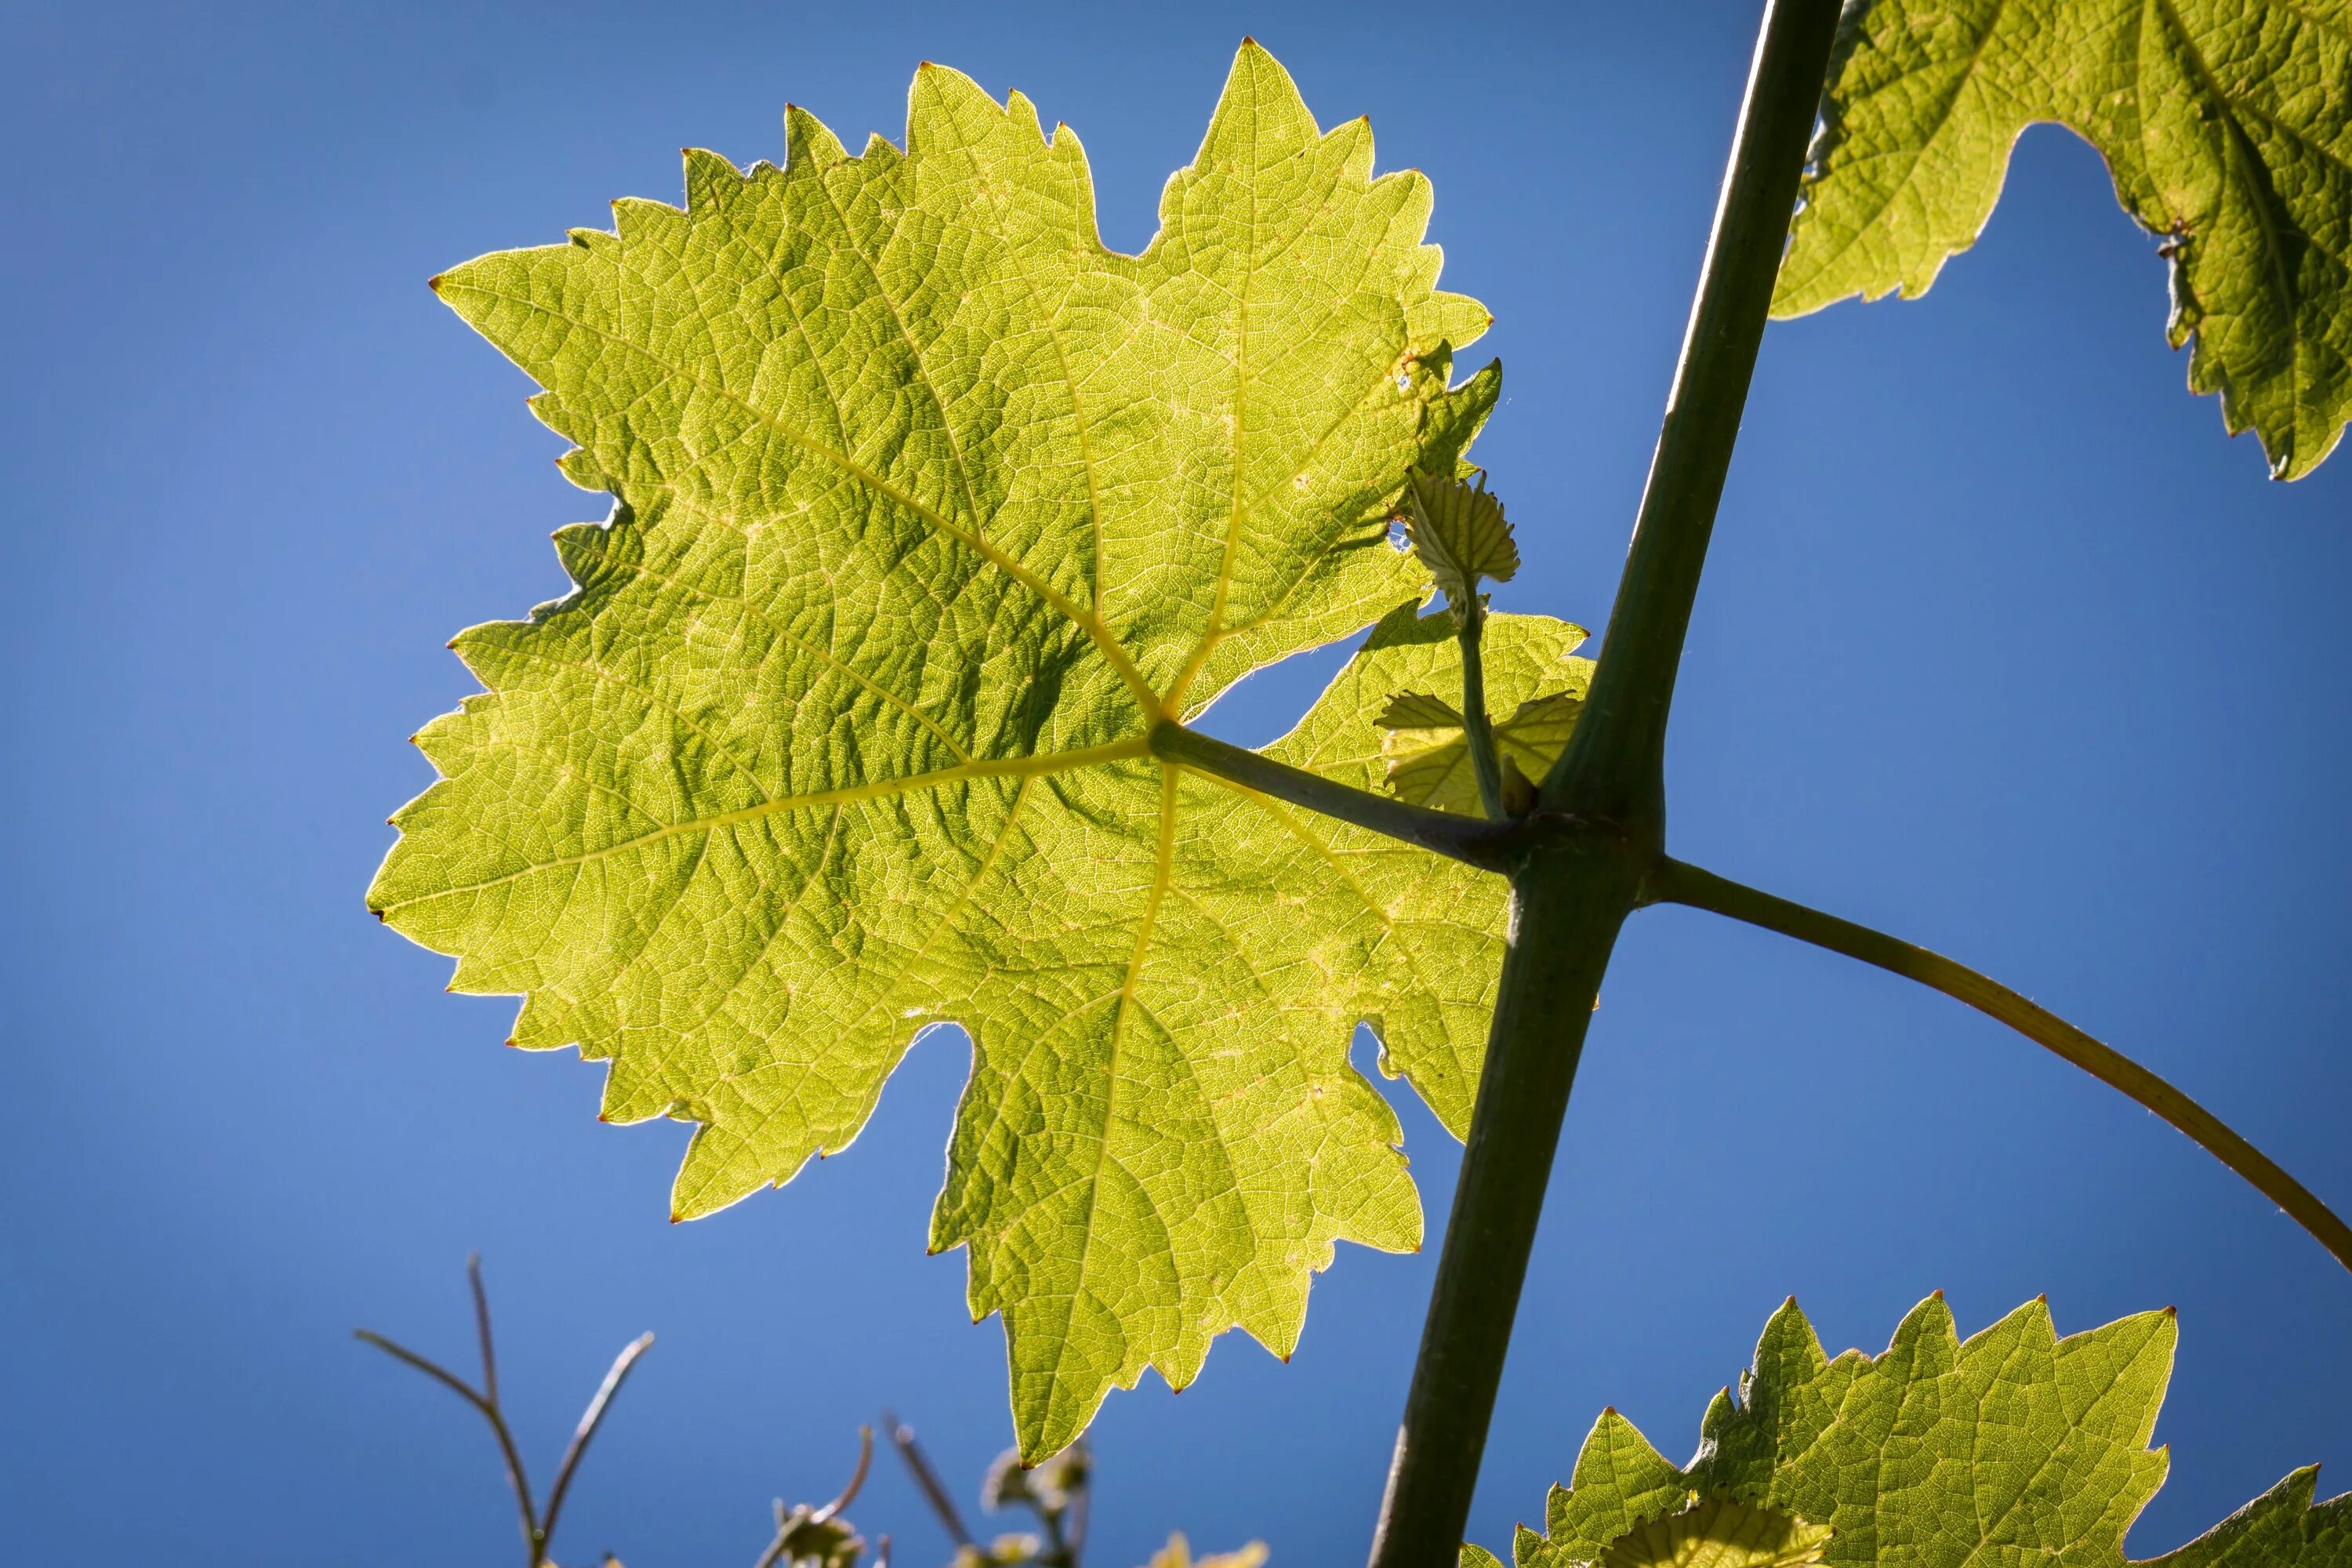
2227 126
2280 1529
2009 1447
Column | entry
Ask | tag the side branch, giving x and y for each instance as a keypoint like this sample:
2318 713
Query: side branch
1675 882
1485 844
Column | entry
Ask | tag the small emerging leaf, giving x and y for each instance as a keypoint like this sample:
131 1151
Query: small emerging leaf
1719 1533
2227 128
1428 752
1459 532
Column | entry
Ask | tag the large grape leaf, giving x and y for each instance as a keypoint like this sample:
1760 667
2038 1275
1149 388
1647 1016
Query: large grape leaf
2013 1446
926 506
2227 126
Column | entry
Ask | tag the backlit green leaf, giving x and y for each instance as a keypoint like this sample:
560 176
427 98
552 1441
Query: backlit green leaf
1459 532
926 506
2227 126
2013 1446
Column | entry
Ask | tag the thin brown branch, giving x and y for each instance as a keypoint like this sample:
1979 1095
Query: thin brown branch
590 1419
482 1327
857 1479
935 1492
533 1540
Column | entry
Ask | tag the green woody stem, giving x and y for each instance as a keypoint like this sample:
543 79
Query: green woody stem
1600 826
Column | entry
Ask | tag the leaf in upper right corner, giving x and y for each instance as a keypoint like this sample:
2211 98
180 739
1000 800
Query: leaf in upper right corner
1459 532
2227 127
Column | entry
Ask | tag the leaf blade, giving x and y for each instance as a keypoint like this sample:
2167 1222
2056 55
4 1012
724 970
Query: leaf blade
926 506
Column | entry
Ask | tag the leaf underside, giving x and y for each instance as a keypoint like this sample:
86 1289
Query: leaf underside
2227 126
2013 1446
927 505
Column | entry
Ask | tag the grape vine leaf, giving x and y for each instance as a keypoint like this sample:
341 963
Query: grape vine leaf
2010 1445
926 506
2227 127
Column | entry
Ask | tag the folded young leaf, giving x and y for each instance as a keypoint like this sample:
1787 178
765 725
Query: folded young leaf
1459 532
927 507
2013 1446
2227 126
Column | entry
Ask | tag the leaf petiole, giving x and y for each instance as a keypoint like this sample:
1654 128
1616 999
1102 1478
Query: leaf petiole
1672 881
1488 846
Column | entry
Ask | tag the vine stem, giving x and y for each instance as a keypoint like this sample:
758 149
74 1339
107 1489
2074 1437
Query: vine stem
1582 859
1675 882
1567 905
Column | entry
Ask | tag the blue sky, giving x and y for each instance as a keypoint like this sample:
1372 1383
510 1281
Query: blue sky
2003 645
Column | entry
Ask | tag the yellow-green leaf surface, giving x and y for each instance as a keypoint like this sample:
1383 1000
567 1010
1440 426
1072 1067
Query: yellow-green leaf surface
2227 125
926 506
1719 1533
1428 751
2011 1446
1444 924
